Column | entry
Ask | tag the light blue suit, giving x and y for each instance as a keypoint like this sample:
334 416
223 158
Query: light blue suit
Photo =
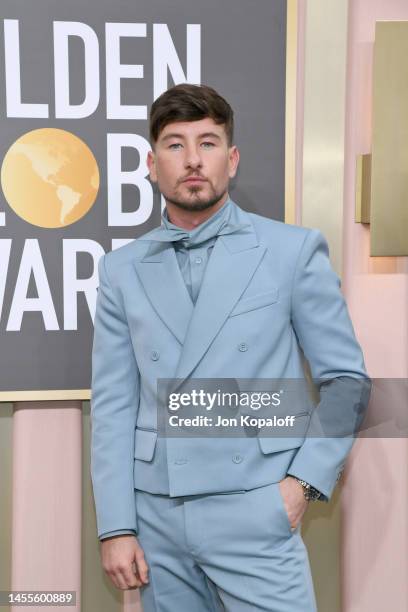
268 294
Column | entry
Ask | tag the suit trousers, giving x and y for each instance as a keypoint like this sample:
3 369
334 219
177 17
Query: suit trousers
233 552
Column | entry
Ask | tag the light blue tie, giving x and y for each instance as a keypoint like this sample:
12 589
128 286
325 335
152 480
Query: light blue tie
217 225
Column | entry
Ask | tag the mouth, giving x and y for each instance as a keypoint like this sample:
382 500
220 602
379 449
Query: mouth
194 179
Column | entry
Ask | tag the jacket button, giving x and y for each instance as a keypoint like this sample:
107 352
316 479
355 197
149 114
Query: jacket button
237 458
154 355
242 346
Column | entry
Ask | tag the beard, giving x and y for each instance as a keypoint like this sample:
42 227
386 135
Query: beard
196 202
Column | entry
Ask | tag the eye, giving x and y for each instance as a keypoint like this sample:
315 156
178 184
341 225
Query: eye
208 145
176 144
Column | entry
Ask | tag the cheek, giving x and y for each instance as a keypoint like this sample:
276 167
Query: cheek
221 171
167 172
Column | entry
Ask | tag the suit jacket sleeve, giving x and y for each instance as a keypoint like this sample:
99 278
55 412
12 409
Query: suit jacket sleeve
109 534
325 333
114 406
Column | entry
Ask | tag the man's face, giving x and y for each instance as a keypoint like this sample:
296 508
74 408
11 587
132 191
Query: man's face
192 163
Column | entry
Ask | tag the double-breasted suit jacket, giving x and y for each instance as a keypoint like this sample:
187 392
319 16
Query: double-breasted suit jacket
269 295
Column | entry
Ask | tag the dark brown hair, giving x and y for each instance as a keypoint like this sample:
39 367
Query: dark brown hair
187 102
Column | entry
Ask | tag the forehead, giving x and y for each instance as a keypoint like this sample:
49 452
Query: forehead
189 129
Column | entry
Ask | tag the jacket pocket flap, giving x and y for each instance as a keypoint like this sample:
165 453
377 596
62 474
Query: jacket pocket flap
255 301
270 443
145 443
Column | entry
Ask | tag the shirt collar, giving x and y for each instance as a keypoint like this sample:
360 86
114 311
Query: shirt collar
205 231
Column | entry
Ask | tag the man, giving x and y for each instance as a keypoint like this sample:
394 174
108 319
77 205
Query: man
204 524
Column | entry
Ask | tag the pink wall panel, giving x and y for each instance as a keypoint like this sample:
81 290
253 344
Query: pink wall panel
375 492
46 529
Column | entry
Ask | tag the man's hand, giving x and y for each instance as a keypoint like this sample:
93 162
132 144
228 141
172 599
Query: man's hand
293 499
123 560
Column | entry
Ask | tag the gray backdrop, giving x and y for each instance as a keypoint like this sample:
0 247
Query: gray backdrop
243 55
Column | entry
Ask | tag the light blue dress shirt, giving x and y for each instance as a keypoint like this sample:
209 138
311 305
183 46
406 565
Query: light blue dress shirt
193 254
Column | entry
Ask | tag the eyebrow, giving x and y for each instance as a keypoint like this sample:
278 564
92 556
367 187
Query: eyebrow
204 135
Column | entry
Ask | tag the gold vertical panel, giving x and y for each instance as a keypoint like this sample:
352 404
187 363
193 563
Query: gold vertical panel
363 188
98 592
324 121
290 110
322 207
389 171
6 449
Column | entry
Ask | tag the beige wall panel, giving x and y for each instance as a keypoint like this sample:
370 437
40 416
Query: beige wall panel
324 119
320 204
98 593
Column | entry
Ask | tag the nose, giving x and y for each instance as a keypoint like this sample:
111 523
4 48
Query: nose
193 158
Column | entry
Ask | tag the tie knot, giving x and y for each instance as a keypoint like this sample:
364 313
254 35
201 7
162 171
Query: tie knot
207 232
189 242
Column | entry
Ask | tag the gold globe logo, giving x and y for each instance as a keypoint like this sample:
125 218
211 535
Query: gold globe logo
50 177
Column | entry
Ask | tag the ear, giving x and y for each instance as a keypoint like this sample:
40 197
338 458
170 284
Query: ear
233 161
151 164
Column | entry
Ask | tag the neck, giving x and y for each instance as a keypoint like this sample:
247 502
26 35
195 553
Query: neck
189 220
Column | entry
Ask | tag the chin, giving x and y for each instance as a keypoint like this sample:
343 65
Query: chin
198 205
194 199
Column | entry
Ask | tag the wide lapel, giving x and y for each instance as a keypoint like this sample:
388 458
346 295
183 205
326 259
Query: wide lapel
230 268
164 285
